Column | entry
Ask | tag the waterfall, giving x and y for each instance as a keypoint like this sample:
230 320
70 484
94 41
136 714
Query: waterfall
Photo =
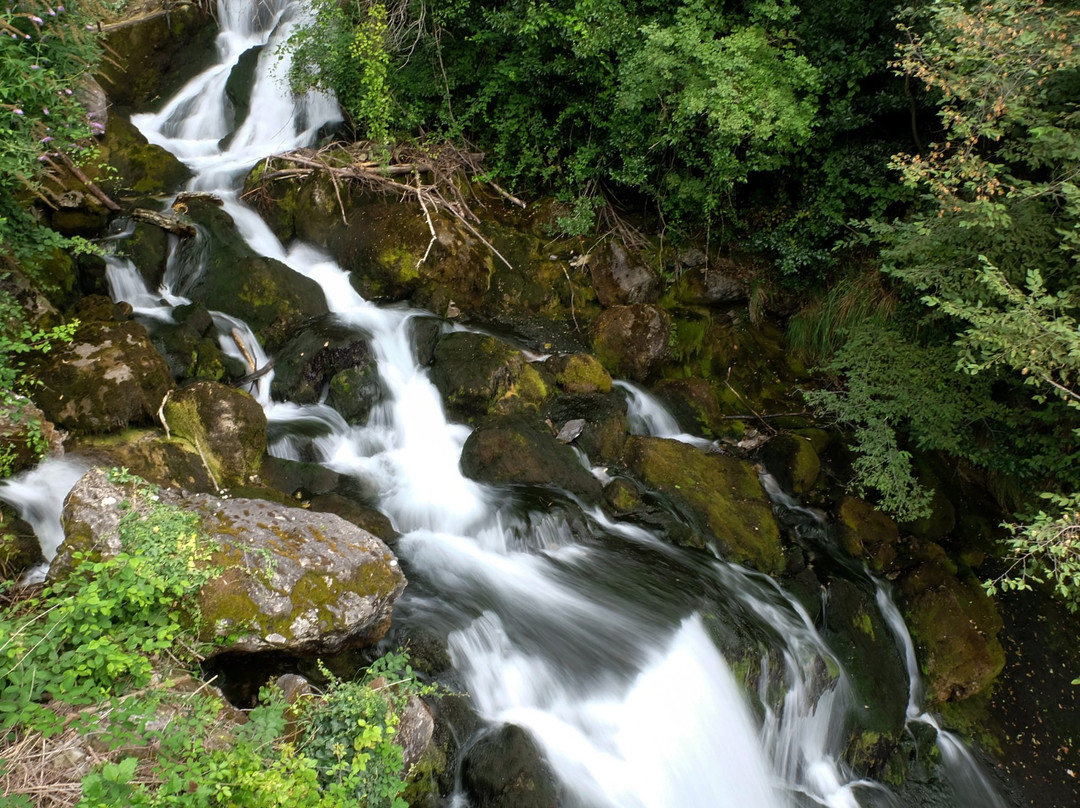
593 635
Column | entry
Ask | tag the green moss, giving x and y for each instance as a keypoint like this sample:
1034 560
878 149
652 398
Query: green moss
863 623
401 263
581 373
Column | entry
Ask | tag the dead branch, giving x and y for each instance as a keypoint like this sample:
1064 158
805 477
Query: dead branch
167 220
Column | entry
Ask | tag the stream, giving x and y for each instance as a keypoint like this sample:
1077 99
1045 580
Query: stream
611 648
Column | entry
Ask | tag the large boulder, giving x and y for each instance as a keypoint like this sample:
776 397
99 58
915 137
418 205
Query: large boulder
479 375
271 298
792 460
955 625
721 281
721 494
137 166
621 277
867 533
286 579
509 451
108 376
505 769
602 421
632 341
579 373
226 426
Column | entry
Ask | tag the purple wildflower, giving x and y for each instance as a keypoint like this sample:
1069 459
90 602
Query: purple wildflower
36 19
17 111
46 139
35 67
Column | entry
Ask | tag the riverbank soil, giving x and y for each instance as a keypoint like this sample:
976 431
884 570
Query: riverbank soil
1035 709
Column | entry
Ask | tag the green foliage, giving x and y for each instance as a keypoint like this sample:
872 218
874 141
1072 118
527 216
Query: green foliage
327 751
100 629
1045 548
349 733
344 52
46 53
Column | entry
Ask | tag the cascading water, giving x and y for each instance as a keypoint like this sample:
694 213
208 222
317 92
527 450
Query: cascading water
599 639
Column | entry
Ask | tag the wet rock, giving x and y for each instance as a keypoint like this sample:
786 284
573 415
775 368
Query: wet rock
367 518
632 341
354 392
621 278
153 57
270 297
26 434
148 454
139 167
320 351
579 373
604 430
693 403
791 459
226 426
505 769
865 532
190 345
479 375
289 580
238 89
107 377
941 520
721 494
955 626
508 451
20 549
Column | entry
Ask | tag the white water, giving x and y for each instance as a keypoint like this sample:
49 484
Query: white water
591 646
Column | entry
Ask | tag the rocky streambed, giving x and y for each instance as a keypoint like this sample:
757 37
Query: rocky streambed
560 536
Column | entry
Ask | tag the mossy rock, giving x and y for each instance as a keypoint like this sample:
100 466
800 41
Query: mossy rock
955 625
721 494
139 167
518 451
579 373
867 533
694 404
621 277
318 352
25 434
604 432
148 454
20 549
941 520
479 375
284 579
632 341
108 377
792 460
226 426
238 89
152 58
271 298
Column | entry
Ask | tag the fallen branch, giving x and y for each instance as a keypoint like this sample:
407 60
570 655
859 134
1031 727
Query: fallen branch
85 180
168 220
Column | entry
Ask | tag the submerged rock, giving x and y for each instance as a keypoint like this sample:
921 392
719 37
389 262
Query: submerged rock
286 579
721 494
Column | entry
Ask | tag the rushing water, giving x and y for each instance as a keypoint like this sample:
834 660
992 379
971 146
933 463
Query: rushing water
601 641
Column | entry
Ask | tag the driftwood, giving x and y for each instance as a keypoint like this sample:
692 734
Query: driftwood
166 220
433 177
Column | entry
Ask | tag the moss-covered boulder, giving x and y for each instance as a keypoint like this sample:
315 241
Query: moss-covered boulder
694 404
108 376
138 166
579 373
792 460
271 298
632 341
518 451
147 453
479 375
867 533
505 768
285 579
321 350
955 625
721 494
189 344
226 426
710 283
621 277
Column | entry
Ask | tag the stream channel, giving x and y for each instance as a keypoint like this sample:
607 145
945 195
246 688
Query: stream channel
607 645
